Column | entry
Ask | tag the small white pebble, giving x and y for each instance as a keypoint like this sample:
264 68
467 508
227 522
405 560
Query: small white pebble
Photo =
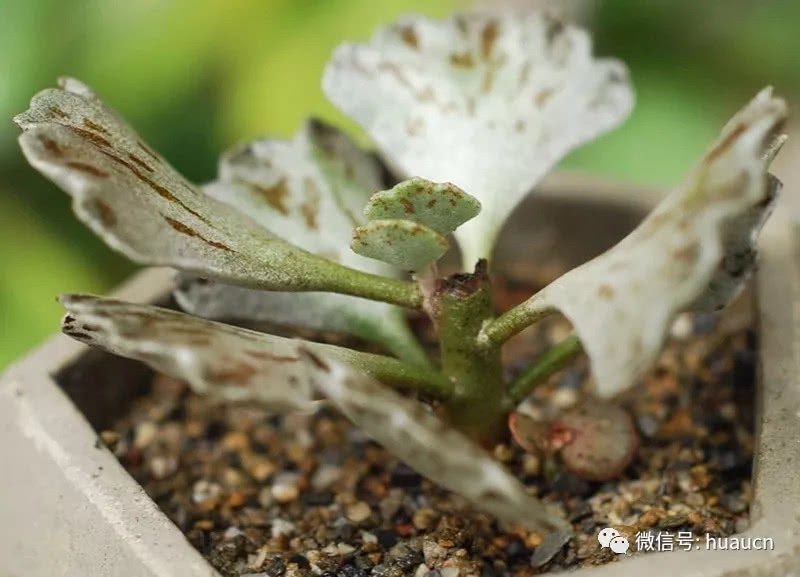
281 527
163 467
449 571
203 491
284 489
145 434
369 538
682 327
325 476
564 397
231 532
421 571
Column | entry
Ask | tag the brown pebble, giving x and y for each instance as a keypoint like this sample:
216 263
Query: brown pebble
424 518
358 512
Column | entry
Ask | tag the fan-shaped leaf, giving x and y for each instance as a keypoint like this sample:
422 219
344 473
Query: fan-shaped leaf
696 248
309 190
220 360
440 206
142 207
403 243
489 101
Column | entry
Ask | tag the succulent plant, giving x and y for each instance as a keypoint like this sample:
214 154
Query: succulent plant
470 112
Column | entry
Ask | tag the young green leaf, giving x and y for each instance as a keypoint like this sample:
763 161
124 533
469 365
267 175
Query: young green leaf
308 190
440 206
431 447
489 101
403 243
142 207
695 249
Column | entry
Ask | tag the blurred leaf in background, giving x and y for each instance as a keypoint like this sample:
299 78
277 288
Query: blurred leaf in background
194 77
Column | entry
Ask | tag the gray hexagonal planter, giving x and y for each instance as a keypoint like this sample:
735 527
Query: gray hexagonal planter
68 508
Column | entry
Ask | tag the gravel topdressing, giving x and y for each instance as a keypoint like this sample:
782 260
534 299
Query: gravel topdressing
305 495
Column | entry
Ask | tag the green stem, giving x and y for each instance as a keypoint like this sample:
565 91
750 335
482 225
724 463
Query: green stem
391 371
345 280
477 407
499 330
547 364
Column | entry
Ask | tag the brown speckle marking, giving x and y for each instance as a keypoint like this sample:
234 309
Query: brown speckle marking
520 126
87 168
104 212
237 374
162 191
51 146
488 38
726 142
92 125
553 28
267 356
409 36
58 112
147 150
605 291
310 208
89 135
140 162
275 195
542 97
431 203
462 59
688 253
396 71
189 231
408 206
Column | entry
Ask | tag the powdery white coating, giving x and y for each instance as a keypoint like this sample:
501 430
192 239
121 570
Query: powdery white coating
310 191
410 431
695 248
140 206
218 360
488 101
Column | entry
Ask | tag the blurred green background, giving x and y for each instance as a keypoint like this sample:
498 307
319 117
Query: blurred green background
195 76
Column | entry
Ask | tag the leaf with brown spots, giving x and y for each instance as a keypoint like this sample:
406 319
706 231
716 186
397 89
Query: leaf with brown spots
143 208
440 206
310 190
414 434
490 101
223 361
694 251
403 243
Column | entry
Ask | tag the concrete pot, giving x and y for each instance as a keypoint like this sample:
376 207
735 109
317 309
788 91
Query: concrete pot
68 508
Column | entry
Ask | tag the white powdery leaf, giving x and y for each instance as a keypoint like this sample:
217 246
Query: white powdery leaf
695 249
411 432
218 360
310 191
488 101
142 207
